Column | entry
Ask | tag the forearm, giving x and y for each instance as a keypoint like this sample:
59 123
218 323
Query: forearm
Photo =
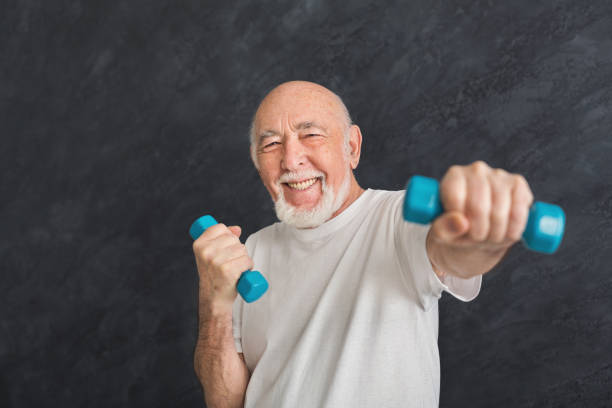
223 374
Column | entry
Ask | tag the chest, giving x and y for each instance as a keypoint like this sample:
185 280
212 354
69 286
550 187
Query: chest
318 293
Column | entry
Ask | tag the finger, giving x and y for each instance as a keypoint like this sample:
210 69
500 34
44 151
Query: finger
522 198
501 201
236 230
453 189
229 253
211 248
234 268
478 201
212 232
449 226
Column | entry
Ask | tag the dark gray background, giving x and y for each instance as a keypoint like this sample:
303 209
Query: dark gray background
121 122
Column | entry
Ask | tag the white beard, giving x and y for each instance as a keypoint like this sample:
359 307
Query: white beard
325 208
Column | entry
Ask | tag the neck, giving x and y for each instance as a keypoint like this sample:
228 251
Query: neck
354 192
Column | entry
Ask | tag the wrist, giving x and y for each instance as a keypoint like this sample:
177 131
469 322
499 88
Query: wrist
433 255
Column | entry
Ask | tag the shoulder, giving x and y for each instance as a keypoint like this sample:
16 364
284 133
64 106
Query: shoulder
385 200
376 194
386 211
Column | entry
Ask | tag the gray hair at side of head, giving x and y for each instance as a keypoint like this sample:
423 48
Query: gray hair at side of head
347 125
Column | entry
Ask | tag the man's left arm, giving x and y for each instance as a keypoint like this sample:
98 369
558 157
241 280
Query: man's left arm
485 213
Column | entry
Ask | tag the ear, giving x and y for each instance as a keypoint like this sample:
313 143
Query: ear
254 155
354 145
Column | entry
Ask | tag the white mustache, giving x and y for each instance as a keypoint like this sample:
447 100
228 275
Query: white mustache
292 177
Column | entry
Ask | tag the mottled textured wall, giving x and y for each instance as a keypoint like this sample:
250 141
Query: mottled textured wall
121 122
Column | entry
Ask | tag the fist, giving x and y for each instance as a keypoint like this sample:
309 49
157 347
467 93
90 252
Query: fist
483 207
220 259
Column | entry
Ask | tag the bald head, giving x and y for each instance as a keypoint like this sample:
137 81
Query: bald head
290 98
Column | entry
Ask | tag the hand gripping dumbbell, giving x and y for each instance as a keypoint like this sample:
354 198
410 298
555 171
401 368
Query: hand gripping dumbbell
545 225
251 284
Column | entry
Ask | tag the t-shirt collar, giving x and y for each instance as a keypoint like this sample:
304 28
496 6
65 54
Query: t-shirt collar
328 227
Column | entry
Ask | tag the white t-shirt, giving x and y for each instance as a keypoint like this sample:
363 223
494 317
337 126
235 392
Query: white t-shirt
351 315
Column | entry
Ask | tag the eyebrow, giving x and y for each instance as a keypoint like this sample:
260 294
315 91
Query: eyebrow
300 126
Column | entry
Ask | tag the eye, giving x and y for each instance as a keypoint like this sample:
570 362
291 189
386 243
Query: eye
271 144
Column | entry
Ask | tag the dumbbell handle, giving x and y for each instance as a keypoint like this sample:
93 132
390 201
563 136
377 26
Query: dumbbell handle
545 225
251 284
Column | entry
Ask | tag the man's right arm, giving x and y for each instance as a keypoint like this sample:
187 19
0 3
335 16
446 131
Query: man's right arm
221 370
221 259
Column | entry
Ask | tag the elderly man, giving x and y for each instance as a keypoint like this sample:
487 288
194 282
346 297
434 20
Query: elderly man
351 317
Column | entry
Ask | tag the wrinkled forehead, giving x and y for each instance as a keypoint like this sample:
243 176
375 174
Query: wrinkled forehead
291 109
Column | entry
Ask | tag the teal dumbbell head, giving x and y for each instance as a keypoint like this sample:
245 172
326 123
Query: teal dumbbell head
545 225
251 284
422 201
200 225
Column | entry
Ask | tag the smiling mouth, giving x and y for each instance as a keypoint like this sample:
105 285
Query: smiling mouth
302 185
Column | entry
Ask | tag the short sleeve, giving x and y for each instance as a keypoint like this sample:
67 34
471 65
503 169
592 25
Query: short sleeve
237 322
410 239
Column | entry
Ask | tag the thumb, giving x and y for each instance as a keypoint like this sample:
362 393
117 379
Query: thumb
236 230
450 226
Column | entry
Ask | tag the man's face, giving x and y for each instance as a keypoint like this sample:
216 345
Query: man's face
300 147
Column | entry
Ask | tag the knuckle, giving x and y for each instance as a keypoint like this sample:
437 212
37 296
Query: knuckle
207 253
196 246
226 269
216 261
500 173
454 169
520 181
215 264
480 167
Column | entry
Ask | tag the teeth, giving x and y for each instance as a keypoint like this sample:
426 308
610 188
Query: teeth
303 185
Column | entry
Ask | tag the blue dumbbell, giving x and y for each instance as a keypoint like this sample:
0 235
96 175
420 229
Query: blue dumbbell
251 284
545 225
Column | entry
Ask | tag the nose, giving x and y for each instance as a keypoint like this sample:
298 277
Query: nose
294 155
